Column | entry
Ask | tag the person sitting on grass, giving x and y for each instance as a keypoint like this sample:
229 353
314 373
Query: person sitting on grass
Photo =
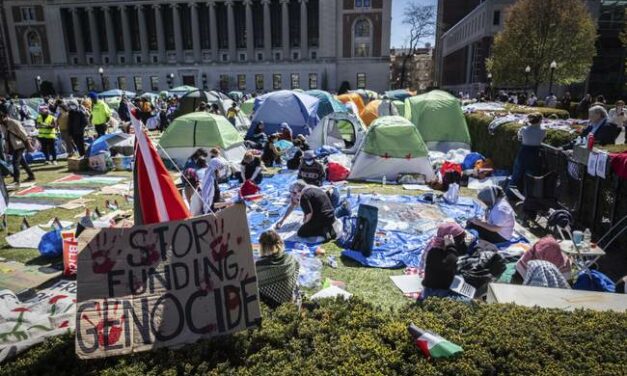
191 192
310 170
499 226
277 272
546 249
250 168
271 154
319 213
286 132
193 160
259 137
441 262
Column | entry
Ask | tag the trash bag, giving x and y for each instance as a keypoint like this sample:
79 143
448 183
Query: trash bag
485 265
51 244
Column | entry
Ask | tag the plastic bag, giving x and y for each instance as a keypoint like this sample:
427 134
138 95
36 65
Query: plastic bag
337 172
309 273
452 194
51 244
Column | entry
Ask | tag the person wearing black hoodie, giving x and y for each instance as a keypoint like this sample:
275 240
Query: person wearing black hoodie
77 121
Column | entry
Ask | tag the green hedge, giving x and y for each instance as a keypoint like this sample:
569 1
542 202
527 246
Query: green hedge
502 147
354 338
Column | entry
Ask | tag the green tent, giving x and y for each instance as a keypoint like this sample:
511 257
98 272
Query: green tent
400 107
440 120
392 146
247 106
197 130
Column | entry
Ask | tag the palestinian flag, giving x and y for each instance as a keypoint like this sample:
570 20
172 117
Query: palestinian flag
432 345
156 197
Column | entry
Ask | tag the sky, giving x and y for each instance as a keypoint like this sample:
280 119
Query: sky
399 30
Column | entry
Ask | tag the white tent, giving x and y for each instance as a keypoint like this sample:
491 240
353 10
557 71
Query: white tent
341 130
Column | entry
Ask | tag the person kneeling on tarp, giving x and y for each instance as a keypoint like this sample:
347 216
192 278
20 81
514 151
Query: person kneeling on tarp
441 262
277 272
499 227
319 213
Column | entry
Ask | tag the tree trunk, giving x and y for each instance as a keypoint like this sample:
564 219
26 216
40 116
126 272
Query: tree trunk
402 79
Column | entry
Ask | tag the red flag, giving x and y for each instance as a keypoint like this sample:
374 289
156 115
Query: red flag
156 197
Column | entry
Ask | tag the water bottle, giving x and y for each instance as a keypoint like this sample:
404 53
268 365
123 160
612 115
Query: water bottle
384 180
587 238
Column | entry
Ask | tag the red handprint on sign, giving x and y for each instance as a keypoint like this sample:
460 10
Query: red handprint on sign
101 253
113 331
220 244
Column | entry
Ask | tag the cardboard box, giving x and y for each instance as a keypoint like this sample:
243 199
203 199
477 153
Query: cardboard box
77 164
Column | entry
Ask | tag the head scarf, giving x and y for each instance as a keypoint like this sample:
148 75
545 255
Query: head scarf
547 249
285 126
544 274
490 195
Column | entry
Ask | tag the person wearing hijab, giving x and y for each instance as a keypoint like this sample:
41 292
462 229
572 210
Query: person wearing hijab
210 190
286 132
500 219
546 249
543 273
440 265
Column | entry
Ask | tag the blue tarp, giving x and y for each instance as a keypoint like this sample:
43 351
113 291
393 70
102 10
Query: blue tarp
102 143
299 110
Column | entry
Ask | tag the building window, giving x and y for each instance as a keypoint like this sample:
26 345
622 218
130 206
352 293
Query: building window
259 57
155 59
139 86
90 60
259 82
91 85
122 83
76 87
276 81
122 60
225 57
106 59
277 56
362 3
33 43
314 55
242 57
295 81
241 81
105 82
361 80
496 19
224 82
28 14
313 81
138 59
362 38
154 83
295 56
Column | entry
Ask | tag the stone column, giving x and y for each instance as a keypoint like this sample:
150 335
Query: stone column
285 31
213 31
178 38
250 40
160 32
95 43
126 32
113 53
267 31
304 40
195 32
231 29
78 36
143 33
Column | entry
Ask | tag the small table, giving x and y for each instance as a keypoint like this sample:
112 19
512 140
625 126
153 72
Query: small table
584 258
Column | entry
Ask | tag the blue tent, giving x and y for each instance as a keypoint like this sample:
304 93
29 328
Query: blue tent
299 110
328 104
103 143
116 93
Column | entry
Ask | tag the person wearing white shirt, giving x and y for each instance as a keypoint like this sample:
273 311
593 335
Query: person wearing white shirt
617 115
500 219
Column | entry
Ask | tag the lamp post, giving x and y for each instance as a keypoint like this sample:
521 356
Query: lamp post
527 71
170 80
553 66
101 73
490 85
38 83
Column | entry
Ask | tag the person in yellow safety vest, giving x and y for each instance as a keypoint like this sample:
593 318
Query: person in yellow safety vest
47 125
100 114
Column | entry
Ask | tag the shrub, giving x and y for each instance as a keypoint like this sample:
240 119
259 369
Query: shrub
502 147
356 338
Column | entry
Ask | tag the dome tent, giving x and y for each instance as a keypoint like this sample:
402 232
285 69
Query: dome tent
377 108
391 146
328 104
197 130
352 97
341 130
299 110
440 120
190 101
247 106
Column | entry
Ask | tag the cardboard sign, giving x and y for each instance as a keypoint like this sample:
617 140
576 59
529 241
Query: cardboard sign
165 285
